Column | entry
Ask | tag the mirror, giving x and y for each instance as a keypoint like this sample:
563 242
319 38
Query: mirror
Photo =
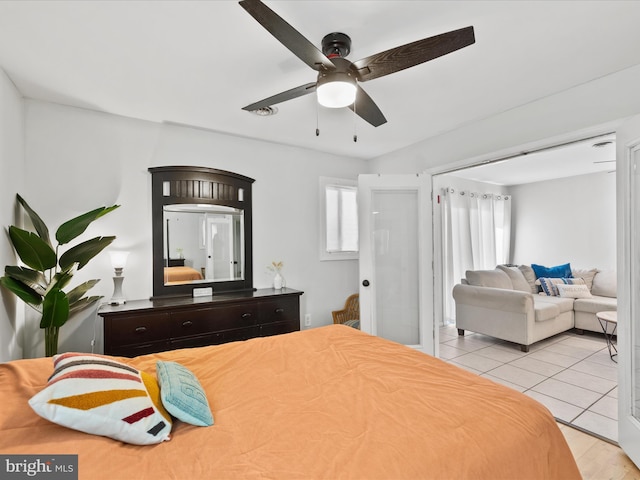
203 243
201 221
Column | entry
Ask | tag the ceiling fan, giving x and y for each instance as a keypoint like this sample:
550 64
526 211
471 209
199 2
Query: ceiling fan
337 84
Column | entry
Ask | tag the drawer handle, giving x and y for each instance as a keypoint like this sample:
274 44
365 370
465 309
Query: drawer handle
246 315
279 310
141 329
188 323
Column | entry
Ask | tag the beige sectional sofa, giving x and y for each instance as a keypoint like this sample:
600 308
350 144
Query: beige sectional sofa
506 303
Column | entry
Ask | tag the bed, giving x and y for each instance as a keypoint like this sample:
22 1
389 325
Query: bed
330 402
174 275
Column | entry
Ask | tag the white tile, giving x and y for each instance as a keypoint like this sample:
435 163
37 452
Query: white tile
587 343
517 375
601 357
499 354
447 352
504 382
607 406
598 424
555 358
586 380
477 362
537 366
578 396
559 409
610 372
569 350
466 343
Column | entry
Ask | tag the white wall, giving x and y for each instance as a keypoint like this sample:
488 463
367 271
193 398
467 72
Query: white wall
81 159
566 220
11 178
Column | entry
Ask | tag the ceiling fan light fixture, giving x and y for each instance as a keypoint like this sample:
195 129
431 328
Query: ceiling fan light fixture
336 90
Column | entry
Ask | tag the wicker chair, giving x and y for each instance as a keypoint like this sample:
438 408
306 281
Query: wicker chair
350 314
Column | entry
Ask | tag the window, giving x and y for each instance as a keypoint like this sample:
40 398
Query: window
338 219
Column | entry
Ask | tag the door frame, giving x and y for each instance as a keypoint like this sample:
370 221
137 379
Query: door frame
421 183
628 265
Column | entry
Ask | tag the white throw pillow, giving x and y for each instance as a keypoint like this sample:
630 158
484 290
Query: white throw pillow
573 291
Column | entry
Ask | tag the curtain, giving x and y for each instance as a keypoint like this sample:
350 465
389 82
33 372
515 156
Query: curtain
476 236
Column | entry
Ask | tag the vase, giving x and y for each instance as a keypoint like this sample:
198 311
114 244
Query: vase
278 281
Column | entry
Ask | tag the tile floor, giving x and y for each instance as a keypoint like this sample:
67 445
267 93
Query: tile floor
571 374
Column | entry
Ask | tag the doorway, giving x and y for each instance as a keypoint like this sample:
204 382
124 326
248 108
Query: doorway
564 199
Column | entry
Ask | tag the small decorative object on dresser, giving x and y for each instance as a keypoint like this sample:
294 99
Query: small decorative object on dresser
278 279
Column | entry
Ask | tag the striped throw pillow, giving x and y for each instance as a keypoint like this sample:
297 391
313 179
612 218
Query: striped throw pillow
549 285
99 395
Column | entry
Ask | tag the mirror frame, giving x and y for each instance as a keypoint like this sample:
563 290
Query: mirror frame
198 185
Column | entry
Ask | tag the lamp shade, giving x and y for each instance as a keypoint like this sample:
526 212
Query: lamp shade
336 90
118 259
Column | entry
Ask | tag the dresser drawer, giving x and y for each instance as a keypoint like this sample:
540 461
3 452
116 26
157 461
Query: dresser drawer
135 350
195 322
282 310
136 329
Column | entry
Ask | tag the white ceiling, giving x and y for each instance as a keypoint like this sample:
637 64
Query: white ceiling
197 63
568 160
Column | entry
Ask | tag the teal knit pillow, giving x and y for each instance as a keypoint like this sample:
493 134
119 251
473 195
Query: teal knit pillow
182 395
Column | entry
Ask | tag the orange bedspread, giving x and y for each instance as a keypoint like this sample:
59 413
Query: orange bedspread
330 403
180 275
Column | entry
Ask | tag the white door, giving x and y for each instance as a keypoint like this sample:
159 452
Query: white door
396 270
628 244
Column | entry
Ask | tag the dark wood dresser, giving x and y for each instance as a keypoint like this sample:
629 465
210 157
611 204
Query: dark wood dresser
139 327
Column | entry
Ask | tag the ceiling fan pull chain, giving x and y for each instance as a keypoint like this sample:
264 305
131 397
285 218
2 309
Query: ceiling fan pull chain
355 124
317 121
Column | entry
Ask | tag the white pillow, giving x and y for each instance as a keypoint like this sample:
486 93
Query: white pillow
573 291
99 395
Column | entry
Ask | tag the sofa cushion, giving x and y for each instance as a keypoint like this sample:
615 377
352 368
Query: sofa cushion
545 311
605 284
595 304
518 281
563 304
530 276
586 275
489 278
563 270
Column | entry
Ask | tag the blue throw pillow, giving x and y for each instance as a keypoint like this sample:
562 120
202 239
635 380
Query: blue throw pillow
182 395
559 271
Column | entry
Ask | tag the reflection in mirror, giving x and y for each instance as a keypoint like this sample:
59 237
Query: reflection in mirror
202 244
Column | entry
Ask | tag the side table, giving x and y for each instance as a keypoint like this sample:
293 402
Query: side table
609 318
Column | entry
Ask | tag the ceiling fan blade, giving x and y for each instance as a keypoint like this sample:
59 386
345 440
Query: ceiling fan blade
283 97
367 109
412 54
287 35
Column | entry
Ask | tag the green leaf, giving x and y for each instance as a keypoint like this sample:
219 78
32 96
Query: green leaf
23 291
83 304
55 309
32 278
76 226
61 279
32 250
77 293
84 252
38 224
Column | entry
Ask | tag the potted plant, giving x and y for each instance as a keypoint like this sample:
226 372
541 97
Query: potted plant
47 271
